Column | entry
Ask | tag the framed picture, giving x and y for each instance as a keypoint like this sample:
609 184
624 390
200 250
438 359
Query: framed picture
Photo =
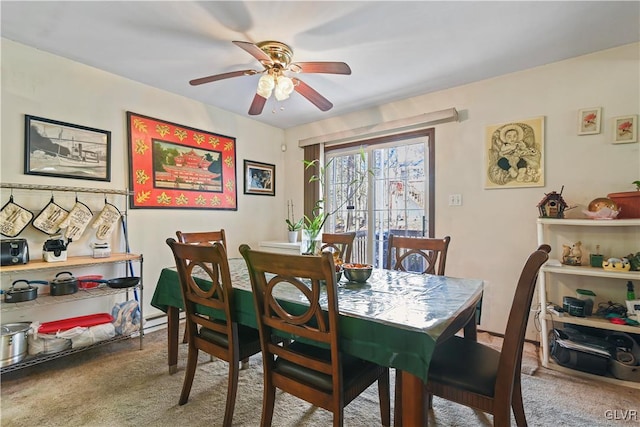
514 154
625 129
259 178
589 121
65 150
172 166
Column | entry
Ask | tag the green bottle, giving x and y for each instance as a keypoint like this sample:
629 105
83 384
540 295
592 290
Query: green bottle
631 295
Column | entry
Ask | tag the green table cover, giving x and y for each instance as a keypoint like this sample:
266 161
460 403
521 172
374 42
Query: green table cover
393 320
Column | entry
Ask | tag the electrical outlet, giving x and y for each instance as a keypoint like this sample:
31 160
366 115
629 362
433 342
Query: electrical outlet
455 199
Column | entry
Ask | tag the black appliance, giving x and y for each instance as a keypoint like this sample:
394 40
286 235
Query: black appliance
14 251
575 350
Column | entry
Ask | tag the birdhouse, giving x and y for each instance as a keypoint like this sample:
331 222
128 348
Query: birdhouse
552 205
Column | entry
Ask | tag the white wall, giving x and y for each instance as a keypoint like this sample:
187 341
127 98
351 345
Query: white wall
494 230
49 86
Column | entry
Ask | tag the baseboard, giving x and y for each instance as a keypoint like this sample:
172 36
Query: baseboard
496 334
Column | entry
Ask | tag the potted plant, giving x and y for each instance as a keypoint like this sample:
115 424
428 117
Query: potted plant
312 228
628 202
293 226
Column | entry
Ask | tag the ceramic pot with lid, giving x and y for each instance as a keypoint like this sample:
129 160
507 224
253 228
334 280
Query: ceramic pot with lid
22 293
65 285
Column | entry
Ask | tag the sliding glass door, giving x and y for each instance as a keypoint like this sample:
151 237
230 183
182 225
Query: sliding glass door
397 199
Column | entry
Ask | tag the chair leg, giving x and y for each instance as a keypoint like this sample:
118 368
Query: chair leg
232 390
338 418
268 402
385 400
518 406
192 363
185 337
397 407
502 417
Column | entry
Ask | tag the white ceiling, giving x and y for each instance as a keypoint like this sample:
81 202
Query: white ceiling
395 49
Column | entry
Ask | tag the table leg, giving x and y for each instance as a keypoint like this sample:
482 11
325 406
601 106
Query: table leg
413 410
470 330
173 321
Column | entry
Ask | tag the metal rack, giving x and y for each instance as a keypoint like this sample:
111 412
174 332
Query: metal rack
75 261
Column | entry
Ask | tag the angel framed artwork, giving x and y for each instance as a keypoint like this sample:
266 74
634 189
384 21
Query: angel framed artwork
514 154
172 166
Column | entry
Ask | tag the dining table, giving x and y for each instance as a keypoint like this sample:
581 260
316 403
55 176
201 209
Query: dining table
394 319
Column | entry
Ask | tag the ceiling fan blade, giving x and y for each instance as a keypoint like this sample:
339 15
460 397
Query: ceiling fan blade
320 67
222 76
257 105
255 51
312 95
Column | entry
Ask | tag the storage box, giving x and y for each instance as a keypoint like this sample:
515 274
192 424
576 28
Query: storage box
628 202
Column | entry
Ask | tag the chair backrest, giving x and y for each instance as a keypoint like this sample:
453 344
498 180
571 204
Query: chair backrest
511 353
430 253
202 237
342 243
210 263
269 271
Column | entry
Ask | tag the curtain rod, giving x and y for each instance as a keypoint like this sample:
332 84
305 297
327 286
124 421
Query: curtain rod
413 123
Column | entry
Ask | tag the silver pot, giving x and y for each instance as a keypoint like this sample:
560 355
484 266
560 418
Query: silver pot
14 343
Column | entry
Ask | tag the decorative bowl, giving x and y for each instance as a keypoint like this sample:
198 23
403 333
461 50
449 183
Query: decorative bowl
357 272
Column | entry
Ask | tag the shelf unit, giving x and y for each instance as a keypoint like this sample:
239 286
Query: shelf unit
36 265
581 228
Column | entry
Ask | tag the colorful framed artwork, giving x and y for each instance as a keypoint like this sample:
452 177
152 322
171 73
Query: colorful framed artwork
259 178
625 129
514 154
589 121
172 166
65 150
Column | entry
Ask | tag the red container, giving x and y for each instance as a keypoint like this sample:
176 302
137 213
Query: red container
628 202
85 282
72 322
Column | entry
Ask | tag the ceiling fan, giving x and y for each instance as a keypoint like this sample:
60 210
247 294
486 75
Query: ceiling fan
276 57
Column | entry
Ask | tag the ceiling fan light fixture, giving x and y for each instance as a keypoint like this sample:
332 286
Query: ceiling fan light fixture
266 85
284 87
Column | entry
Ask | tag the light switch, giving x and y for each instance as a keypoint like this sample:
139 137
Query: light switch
455 199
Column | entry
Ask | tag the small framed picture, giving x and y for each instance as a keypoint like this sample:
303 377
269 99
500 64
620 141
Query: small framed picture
259 178
589 121
625 129
65 150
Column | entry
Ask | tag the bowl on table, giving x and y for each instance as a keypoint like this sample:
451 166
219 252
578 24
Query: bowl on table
357 272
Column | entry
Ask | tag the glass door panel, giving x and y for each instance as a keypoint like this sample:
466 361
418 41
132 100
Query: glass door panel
394 201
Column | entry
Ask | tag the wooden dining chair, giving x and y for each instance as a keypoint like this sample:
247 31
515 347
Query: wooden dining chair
428 253
312 367
475 375
202 237
217 334
342 243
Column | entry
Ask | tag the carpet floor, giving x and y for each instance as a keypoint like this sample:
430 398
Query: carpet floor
121 385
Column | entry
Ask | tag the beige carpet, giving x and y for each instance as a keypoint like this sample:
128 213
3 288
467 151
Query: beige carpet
120 385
